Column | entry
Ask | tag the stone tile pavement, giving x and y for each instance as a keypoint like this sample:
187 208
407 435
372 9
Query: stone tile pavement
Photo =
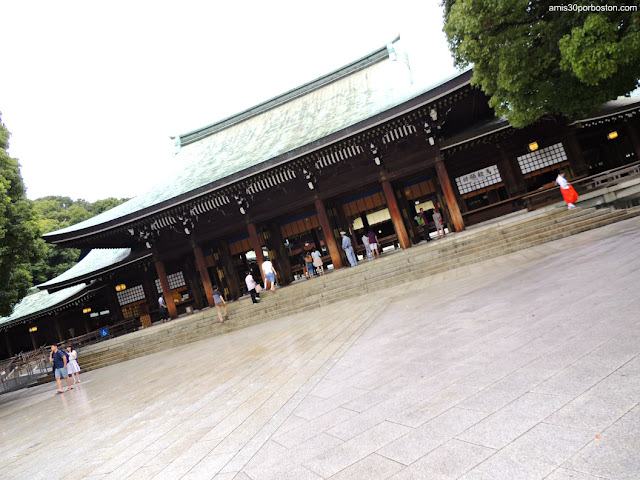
526 366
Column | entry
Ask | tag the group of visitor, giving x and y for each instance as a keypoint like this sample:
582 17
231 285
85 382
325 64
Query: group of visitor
371 246
64 364
254 287
423 220
311 261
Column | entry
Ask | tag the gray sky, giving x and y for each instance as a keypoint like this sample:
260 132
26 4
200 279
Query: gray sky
91 91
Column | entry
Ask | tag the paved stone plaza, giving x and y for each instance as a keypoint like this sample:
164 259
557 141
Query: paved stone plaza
523 367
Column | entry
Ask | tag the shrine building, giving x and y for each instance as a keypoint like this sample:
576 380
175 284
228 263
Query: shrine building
365 146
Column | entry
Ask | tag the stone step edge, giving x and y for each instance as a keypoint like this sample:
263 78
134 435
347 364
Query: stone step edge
318 300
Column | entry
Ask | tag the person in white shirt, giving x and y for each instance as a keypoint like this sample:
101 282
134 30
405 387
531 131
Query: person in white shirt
162 309
251 286
367 247
270 275
568 193
348 249
437 221
317 261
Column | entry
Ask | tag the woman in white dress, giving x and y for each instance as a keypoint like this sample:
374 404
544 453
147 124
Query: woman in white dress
73 369
437 221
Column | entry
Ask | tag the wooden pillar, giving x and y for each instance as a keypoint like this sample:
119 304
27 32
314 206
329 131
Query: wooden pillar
166 290
396 215
229 269
365 222
278 253
85 321
408 210
254 239
511 173
327 231
449 194
150 294
33 338
204 273
114 304
193 286
7 343
632 132
56 323
574 153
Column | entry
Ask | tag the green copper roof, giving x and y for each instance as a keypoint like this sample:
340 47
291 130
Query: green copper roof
270 130
38 302
96 260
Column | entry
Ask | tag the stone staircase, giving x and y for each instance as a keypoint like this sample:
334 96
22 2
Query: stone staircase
481 242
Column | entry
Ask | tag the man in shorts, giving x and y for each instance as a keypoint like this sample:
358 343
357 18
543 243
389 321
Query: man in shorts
59 361
270 275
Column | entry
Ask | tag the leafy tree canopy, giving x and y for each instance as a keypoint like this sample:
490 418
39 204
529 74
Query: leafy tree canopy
19 231
25 258
55 213
532 60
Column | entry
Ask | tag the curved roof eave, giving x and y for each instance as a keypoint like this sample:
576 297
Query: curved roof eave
422 98
97 262
619 106
43 302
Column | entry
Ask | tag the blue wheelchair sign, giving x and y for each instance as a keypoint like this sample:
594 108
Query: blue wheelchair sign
104 332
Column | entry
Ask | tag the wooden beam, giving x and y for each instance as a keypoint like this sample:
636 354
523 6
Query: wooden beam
166 290
114 305
327 231
256 245
396 215
56 323
193 286
632 132
33 337
7 342
229 269
278 253
204 273
511 173
574 151
449 194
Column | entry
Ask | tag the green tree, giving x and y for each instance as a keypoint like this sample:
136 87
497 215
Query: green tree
19 232
532 60
55 213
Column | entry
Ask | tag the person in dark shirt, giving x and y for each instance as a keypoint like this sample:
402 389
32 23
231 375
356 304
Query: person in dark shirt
373 244
219 300
59 360
425 224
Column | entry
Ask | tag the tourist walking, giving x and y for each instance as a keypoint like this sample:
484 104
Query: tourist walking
348 249
162 309
437 222
367 248
219 302
317 261
373 243
269 275
425 224
568 193
73 368
59 360
252 287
